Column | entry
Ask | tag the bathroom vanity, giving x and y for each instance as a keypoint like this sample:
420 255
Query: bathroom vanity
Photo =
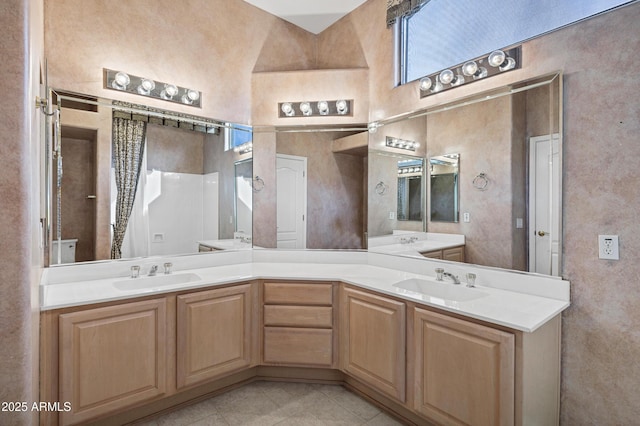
120 348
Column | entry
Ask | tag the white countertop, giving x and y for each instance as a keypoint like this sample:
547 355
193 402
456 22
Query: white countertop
227 244
516 300
400 243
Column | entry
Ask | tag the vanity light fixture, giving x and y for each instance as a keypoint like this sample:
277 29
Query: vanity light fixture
123 82
392 142
494 63
315 108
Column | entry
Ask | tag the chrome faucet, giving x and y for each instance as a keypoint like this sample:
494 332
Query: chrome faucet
152 271
454 278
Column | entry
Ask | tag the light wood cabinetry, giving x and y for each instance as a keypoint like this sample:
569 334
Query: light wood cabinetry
112 358
454 254
213 333
126 360
298 324
372 340
464 371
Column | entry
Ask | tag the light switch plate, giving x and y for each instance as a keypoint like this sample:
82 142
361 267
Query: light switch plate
608 247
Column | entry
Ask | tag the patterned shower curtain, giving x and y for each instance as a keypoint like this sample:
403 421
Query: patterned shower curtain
128 148
401 8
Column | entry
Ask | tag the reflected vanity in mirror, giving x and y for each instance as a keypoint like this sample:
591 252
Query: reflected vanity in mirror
443 188
133 181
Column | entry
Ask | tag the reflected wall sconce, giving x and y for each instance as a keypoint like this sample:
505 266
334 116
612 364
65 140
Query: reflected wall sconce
123 82
497 62
401 144
315 108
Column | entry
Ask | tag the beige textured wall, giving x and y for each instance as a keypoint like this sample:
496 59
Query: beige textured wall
488 234
174 150
78 181
334 189
20 256
209 45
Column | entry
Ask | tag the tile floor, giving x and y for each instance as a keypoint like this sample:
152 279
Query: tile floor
282 404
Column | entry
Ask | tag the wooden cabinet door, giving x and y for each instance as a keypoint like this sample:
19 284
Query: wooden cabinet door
112 358
455 254
464 371
213 333
373 340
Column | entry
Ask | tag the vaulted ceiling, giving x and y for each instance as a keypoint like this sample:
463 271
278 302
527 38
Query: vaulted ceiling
312 15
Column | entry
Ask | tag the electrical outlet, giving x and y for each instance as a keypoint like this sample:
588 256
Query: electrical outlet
466 217
608 247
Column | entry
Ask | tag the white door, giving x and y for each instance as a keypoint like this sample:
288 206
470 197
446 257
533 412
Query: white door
291 199
544 200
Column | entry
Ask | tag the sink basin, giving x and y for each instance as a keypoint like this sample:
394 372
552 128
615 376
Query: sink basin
155 282
441 290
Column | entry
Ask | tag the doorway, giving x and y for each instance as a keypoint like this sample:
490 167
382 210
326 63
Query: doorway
291 201
544 199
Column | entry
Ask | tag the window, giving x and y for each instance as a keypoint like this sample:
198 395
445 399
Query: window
236 135
444 33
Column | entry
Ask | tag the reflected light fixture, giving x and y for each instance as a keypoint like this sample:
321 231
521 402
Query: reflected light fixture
124 82
287 109
494 63
392 142
315 108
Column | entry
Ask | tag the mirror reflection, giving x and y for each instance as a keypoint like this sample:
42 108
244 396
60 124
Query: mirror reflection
443 188
320 190
410 200
504 205
147 182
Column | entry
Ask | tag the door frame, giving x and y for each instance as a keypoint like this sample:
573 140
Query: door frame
555 181
304 195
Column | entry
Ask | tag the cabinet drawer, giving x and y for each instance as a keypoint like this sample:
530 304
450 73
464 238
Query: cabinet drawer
303 346
298 293
298 316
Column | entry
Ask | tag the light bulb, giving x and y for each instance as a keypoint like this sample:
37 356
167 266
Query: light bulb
425 84
507 65
496 58
194 95
457 81
146 86
121 81
469 68
305 108
481 73
323 107
169 92
342 106
446 76
437 87
287 109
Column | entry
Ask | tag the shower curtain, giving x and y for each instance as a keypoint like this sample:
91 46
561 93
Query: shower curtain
128 149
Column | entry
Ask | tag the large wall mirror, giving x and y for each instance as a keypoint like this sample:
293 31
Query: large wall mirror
505 197
177 181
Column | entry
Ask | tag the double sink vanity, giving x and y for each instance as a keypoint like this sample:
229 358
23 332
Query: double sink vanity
430 352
